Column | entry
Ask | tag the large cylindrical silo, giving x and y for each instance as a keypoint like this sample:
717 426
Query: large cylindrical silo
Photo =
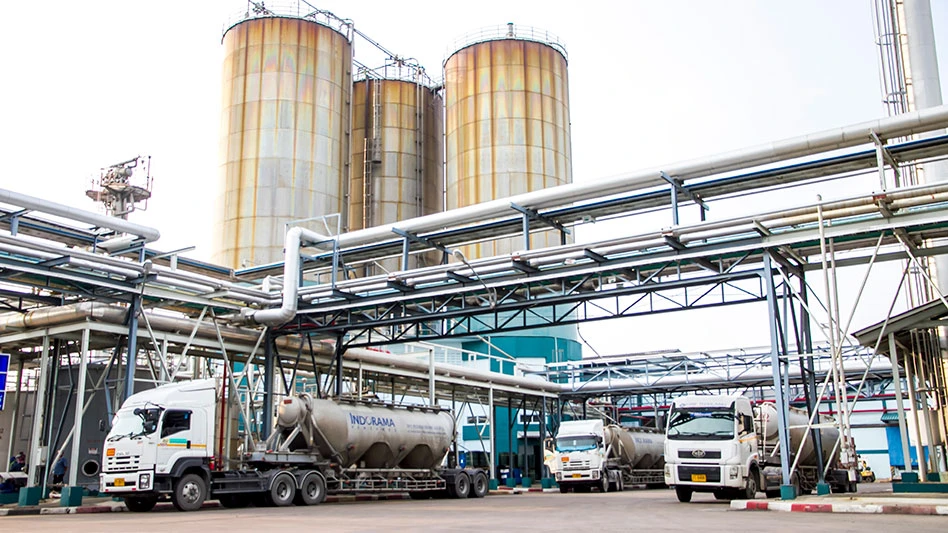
507 125
396 167
284 133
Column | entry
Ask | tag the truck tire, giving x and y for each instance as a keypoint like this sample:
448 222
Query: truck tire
683 493
282 489
312 490
140 504
479 485
604 483
721 494
189 493
563 489
750 488
460 487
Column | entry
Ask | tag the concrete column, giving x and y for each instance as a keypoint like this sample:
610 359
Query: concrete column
897 382
78 408
38 419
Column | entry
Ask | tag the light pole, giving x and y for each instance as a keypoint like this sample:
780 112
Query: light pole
491 296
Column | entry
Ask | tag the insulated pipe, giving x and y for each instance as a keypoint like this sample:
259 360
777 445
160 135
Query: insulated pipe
52 208
291 277
844 137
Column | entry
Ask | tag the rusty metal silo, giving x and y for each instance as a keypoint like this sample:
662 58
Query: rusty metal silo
397 130
507 127
284 131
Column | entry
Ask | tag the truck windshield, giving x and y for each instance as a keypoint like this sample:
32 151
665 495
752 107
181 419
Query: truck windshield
701 423
134 423
575 444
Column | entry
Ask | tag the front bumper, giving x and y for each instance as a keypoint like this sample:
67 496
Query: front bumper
141 481
698 475
577 476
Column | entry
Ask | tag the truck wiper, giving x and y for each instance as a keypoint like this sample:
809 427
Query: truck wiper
120 437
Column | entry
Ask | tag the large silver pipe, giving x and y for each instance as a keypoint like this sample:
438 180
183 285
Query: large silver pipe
52 208
844 137
291 277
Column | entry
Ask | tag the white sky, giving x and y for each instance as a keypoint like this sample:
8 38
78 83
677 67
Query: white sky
91 83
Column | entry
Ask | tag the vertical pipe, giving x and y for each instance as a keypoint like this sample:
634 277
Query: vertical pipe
543 435
779 392
913 406
431 377
337 357
80 402
132 346
897 382
493 431
526 232
510 426
268 380
36 437
674 205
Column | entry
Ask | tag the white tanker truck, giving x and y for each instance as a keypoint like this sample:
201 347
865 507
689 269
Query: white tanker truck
589 454
166 442
722 445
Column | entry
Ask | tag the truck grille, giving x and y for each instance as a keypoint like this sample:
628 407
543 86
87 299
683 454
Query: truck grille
712 473
122 464
576 465
702 454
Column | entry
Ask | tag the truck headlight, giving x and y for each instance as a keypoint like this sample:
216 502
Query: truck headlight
595 474
559 476
734 471
144 481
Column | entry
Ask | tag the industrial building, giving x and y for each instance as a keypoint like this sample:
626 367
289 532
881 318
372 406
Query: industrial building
383 233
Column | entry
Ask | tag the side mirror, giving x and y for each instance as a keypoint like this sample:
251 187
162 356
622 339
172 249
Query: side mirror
101 425
137 411
598 439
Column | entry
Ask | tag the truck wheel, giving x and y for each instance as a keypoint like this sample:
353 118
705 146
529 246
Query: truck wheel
460 487
283 490
312 490
620 485
721 495
479 485
684 494
189 493
750 489
563 489
141 504
604 483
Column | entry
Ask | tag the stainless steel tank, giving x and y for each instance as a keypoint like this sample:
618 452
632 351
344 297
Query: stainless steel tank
797 422
507 128
640 448
373 436
397 170
284 132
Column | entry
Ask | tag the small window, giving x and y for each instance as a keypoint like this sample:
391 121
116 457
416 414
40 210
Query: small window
175 421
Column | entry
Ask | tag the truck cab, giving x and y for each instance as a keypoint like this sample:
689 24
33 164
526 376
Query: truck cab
711 446
159 442
580 457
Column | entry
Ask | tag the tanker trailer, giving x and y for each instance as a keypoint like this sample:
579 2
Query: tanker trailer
589 455
166 443
806 475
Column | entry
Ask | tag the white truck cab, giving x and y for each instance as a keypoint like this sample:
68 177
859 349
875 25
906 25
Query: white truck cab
711 446
580 455
158 436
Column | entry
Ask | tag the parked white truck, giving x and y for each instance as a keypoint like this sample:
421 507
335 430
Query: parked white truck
166 443
722 445
590 454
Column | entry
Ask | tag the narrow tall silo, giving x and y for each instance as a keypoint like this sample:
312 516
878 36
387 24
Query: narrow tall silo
397 170
507 127
284 132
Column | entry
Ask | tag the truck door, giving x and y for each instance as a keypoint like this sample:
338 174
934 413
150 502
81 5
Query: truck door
177 438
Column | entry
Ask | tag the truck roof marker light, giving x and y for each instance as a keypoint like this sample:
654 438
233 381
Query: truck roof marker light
110 452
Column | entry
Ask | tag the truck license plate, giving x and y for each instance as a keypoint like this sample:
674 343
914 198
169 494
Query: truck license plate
119 482
577 476
699 478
